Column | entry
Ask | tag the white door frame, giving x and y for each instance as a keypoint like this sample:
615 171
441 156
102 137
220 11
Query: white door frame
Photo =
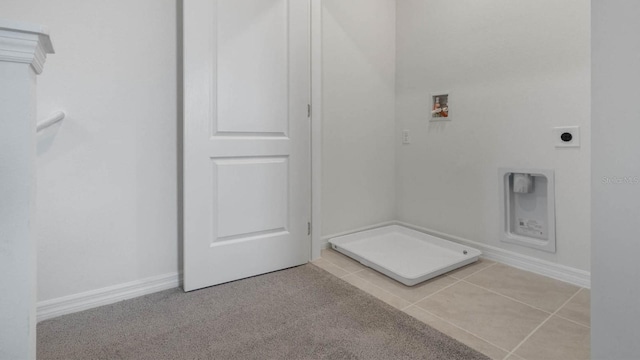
317 242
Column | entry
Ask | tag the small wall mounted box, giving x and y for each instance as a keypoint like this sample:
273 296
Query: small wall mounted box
527 206
566 136
405 137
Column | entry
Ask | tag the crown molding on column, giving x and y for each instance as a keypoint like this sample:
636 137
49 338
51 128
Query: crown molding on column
24 43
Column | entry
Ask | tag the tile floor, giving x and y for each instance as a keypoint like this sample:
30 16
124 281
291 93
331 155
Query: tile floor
503 312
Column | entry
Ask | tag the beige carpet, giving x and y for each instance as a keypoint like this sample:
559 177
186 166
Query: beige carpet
299 313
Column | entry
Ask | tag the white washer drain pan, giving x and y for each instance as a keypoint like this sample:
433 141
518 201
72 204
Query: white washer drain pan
405 255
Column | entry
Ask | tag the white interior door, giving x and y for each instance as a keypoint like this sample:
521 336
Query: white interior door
246 138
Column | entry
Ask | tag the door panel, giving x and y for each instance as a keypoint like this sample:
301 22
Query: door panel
246 138
252 64
252 196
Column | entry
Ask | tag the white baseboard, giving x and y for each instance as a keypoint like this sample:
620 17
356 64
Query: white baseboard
73 303
560 272
326 238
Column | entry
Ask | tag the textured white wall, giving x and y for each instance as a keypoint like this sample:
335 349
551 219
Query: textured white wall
106 199
358 80
615 180
515 69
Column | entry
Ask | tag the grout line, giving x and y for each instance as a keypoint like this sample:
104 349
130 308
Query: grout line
334 265
460 328
579 291
520 301
385 290
513 299
346 258
374 285
541 324
456 280
341 268
353 273
394 295
473 273
573 321
436 292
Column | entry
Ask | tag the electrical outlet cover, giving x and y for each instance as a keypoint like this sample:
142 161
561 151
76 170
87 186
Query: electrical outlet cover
405 137
561 141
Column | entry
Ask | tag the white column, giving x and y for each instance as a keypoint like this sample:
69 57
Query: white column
23 49
615 179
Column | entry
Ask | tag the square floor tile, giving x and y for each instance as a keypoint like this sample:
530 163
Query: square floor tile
464 337
495 318
533 289
470 269
557 339
409 293
341 261
579 308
